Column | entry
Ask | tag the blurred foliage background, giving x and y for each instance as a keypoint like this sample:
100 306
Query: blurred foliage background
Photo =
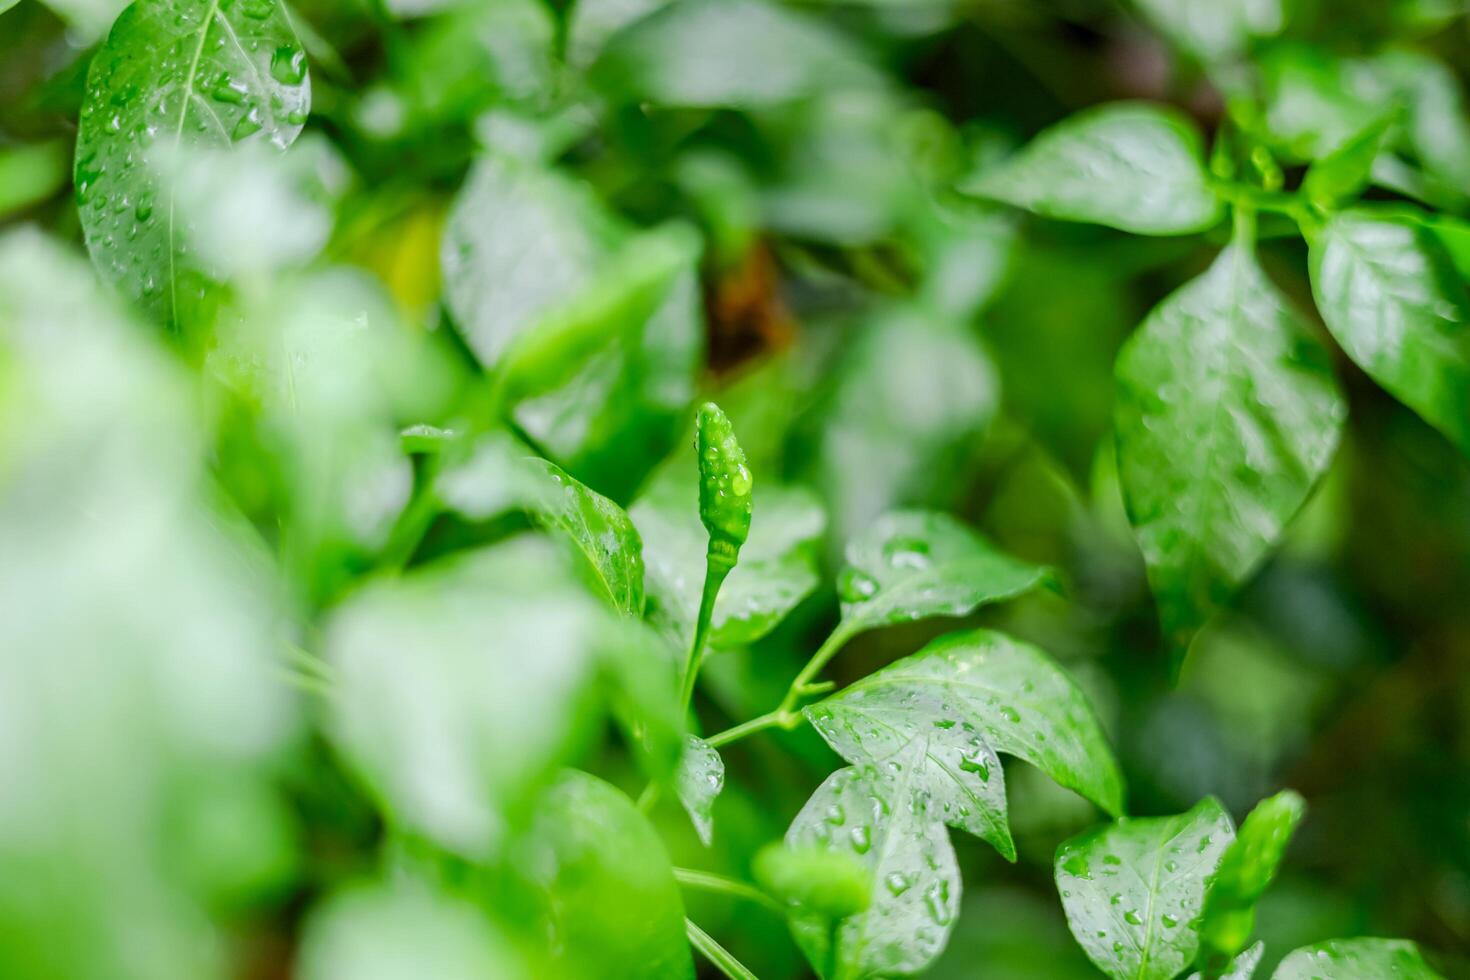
875 337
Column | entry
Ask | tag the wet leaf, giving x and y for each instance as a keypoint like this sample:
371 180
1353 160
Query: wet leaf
501 473
915 564
599 529
174 73
969 696
1132 889
881 815
1390 295
698 781
1133 166
1356 959
1227 414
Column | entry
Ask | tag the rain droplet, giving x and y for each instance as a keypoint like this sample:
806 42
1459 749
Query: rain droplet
911 553
288 65
856 585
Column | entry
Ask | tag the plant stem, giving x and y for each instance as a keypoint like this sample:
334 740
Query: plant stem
785 715
825 652
721 957
413 523
708 881
771 719
714 577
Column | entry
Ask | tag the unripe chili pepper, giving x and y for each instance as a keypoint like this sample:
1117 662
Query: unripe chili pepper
724 486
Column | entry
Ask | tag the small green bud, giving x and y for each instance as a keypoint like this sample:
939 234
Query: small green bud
724 485
1246 870
831 884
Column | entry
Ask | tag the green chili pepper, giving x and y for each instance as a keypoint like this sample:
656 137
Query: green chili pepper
724 486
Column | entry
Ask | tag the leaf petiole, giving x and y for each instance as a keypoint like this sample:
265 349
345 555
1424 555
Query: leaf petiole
721 957
786 716
707 881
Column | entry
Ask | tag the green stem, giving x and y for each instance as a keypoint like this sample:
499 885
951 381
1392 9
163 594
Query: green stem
803 682
714 577
707 881
721 957
1242 195
411 526
1244 222
786 716
772 719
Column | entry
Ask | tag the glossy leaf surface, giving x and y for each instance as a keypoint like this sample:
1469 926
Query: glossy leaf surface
1132 166
1132 889
915 564
698 781
1227 414
175 73
1390 295
881 815
1356 959
967 696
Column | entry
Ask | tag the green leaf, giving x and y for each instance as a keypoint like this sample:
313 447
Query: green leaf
738 53
1133 166
698 782
1343 174
971 695
632 286
1218 30
1389 293
915 564
1227 414
599 528
1356 959
881 815
528 251
1315 101
614 907
399 932
1132 888
1246 870
1243 967
463 686
501 473
1437 129
778 562
176 72
137 651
